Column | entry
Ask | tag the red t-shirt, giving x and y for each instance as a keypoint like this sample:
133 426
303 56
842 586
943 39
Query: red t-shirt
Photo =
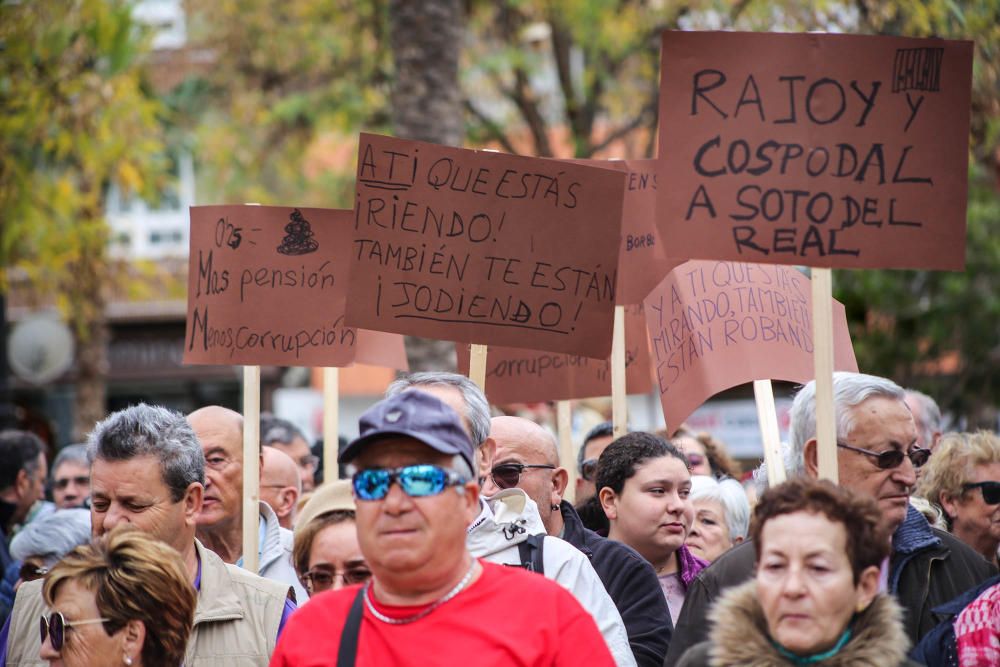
506 617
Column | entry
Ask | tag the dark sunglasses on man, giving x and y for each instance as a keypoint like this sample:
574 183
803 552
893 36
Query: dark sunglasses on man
892 458
507 475
991 491
54 627
588 470
32 571
63 482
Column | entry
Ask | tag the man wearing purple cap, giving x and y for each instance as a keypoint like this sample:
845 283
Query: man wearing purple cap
429 602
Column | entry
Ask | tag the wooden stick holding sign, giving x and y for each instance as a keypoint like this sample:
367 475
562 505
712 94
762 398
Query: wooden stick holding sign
477 365
331 419
619 416
251 463
826 429
767 417
567 457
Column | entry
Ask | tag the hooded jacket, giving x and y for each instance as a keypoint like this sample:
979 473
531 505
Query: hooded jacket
631 582
276 554
927 567
739 636
507 519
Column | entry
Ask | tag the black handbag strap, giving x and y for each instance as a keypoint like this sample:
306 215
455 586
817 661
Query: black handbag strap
347 652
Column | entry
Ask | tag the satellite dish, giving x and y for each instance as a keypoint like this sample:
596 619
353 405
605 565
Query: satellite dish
40 348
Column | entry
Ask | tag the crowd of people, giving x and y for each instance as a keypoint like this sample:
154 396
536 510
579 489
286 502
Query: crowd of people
452 541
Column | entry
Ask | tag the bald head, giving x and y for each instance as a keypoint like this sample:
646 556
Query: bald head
280 484
217 420
525 436
521 441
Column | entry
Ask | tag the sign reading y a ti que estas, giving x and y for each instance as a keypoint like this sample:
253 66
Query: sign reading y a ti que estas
482 247
268 285
516 375
714 325
824 150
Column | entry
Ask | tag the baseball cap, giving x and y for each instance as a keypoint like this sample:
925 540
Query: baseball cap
413 414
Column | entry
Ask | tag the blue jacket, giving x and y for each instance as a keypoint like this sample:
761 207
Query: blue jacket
631 583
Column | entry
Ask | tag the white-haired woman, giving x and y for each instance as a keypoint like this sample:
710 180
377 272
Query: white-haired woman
721 516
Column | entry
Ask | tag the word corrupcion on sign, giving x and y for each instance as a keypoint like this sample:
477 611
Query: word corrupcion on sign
715 325
268 285
823 150
483 247
516 375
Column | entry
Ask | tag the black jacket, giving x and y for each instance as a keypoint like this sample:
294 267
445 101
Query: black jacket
938 647
939 569
632 584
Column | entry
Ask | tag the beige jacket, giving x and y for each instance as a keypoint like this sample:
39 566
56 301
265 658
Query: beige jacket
235 621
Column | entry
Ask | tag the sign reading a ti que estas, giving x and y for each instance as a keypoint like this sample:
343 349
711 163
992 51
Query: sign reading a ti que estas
822 150
268 285
715 325
483 247
516 375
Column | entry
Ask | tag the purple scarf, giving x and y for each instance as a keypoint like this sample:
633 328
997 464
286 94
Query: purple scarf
689 565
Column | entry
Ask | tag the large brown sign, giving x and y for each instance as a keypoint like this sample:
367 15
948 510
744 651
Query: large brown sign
715 325
483 247
268 285
823 150
516 375
643 256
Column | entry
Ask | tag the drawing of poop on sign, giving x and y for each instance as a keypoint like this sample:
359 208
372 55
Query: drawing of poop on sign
299 239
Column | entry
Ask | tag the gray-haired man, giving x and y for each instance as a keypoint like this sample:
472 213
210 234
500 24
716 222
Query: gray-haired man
877 456
148 471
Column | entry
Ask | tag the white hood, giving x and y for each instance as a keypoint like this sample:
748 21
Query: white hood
505 520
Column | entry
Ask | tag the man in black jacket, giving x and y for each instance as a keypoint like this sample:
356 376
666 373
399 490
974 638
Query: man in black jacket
877 456
527 457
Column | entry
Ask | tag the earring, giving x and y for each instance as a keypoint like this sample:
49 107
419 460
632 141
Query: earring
861 607
554 508
127 659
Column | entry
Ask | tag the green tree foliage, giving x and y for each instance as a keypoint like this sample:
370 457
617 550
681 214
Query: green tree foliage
76 118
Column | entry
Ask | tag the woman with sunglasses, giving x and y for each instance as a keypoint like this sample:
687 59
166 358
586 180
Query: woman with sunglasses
124 599
643 483
326 554
962 477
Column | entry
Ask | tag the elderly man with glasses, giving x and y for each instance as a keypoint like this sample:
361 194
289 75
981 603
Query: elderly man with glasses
430 602
877 456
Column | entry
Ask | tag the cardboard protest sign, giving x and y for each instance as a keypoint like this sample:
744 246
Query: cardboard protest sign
643 256
268 285
483 247
516 375
714 325
825 150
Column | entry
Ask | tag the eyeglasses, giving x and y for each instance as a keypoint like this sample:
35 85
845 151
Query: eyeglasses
54 627
991 491
61 484
317 581
892 458
507 475
588 469
417 481
32 572
309 461
695 460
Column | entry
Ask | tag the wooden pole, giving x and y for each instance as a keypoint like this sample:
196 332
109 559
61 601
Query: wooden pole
331 419
477 365
251 465
567 457
767 417
619 418
826 429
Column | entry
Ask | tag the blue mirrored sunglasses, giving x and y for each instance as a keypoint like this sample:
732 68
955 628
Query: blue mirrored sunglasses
416 480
